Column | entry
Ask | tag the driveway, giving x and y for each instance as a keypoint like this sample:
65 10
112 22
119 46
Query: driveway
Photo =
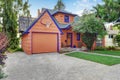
54 66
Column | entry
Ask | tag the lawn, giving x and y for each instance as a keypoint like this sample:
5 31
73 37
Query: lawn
116 53
96 58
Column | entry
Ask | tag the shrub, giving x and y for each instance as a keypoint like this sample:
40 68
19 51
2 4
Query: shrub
2 63
110 48
3 46
117 39
100 48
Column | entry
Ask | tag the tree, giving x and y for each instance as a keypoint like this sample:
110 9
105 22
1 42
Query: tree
109 11
90 27
10 11
117 39
59 6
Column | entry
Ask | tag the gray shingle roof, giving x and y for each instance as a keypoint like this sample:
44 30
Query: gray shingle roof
62 26
24 23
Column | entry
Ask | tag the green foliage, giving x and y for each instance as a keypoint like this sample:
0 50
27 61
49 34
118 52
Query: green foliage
117 39
90 26
15 50
10 11
108 52
88 39
0 29
2 74
100 48
109 11
59 6
110 48
107 60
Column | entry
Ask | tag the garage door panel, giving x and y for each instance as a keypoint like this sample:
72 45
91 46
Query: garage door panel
44 42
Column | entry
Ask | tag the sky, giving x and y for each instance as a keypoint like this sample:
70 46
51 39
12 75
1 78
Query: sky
73 6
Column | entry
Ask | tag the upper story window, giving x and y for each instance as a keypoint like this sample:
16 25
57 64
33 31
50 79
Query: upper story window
66 18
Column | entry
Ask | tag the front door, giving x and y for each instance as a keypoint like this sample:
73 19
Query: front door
69 39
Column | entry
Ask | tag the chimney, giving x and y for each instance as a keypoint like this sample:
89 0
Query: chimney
38 12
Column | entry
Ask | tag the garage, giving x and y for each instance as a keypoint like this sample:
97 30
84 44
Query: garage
42 36
44 42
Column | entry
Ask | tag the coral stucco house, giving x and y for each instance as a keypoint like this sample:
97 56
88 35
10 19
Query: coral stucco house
49 32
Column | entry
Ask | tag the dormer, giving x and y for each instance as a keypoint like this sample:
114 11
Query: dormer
64 17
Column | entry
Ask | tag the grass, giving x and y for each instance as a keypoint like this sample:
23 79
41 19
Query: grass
108 52
96 58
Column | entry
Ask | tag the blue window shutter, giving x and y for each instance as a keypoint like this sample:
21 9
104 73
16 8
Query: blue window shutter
78 36
66 18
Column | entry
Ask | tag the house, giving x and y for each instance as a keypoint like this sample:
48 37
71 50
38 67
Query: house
49 32
52 30
111 32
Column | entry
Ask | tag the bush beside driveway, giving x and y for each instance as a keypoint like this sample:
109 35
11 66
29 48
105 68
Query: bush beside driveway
54 66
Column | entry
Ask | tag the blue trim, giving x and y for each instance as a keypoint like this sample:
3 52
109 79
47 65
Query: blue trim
54 22
68 27
27 31
63 13
78 36
57 42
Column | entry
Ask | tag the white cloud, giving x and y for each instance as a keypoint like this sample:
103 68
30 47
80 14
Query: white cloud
79 12
80 5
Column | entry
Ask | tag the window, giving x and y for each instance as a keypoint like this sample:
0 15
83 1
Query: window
66 18
78 36
110 36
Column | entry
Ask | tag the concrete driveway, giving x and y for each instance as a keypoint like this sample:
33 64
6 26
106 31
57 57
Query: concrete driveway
54 66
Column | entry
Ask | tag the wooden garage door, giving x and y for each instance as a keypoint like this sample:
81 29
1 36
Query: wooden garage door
42 42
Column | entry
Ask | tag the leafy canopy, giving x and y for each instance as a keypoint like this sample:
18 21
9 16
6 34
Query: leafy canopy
90 26
109 11
10 11
59 6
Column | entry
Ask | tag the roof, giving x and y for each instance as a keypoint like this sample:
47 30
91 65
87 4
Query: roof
27 30
26 27
53 12
24 22
63 26
116 22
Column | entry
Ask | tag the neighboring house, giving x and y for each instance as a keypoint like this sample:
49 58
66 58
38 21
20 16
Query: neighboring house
111 32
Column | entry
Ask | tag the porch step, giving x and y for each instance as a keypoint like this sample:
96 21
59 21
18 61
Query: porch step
70 49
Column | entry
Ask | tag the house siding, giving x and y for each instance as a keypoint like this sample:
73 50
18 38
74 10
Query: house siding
60 18
75 42
26 43
38 27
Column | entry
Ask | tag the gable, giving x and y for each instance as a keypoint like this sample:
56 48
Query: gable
40 24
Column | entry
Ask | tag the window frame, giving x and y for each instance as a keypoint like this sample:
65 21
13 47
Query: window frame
78 36
66 18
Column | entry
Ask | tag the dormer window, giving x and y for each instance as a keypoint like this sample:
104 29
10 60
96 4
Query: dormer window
66 18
